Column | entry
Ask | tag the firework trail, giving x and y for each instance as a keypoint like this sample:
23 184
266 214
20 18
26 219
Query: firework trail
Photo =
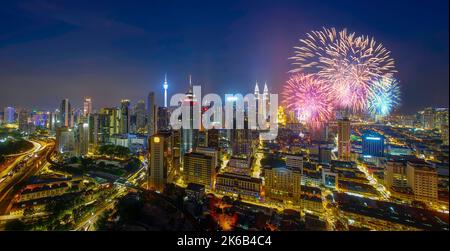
348 63
383 97
310 98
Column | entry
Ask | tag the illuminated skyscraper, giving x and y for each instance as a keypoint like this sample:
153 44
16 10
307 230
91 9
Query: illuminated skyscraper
24 116
373 144
165 86
139 112
163 119
8 115
423 179
344 139
189 136
159 160
125 116
87 106
151 114
82 139
265 101
65 140
65 113
199 169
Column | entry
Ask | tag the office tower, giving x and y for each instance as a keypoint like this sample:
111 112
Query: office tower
372 144
423 179
140 114
165 86
441 118
212 152
77 117
24 117
109 123
199 169
344 139
294 161
65 113
94 131
395 173
8 115
87 106
65 140
257 103
159 160
82 139
265 101
125 116
282 183
325 154
151 114
163 119
189 136
428 118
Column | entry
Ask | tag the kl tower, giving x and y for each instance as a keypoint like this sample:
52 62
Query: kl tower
165 86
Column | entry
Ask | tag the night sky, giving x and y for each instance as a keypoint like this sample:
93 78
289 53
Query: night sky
111 50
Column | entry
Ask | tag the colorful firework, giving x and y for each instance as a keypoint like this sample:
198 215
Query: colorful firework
348 63
383 97
310 98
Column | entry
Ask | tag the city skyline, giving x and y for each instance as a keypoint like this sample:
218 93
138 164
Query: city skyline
115 55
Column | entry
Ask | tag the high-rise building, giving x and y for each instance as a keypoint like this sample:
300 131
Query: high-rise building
372 144
24 116
65 140
163 119
283 183
159 160
125 116
423 179
199 169
212 152
441 118
428 118
94 131
151 114
395 173
109 123
87 106
325 154
82 139
344 139
65 114
8 115
140 114
189 136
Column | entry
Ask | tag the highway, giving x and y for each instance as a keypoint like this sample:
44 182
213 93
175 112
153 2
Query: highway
20 171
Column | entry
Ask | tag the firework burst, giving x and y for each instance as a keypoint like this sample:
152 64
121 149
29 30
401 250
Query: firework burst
310 98
348 63
383 97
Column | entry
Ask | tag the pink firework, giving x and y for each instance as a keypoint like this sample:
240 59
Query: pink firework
348 62
310 97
